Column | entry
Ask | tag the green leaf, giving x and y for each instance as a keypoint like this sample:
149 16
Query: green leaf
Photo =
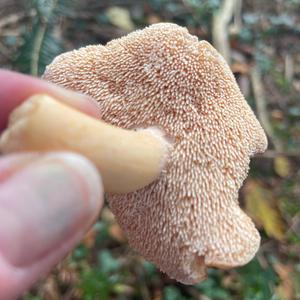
95 285
149 268
258 283
107 262
212 286
30 297
173 293
40 44
80 253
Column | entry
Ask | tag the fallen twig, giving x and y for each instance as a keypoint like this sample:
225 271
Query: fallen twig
220 27
261 106
288 67
273 154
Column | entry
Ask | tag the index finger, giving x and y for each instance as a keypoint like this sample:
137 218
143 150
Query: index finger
16 87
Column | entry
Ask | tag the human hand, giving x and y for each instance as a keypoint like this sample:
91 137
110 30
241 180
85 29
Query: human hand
47 201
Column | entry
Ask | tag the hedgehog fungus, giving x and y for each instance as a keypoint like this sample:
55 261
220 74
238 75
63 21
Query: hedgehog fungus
189 218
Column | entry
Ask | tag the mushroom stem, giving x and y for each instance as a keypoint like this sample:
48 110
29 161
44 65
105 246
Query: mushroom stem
128 160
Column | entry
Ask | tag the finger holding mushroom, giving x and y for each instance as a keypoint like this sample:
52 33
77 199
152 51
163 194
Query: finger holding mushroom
189 218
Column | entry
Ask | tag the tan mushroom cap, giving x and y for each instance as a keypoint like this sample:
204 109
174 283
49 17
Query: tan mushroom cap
162 76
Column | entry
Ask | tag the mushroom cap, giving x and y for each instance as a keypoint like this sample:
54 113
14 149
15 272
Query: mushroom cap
162 76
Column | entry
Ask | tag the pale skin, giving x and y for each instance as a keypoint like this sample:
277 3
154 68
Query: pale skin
46 202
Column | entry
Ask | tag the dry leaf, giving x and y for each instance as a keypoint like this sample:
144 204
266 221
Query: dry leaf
285 289
50 290
239 67
114 229
277 114
260 205
120 17
282 166
152 19
90 238
117 233
107 215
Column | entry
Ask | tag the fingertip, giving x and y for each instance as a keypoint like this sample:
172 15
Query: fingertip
55 197
16 88
88 174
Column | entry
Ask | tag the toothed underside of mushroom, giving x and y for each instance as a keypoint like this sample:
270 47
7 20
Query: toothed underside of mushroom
163 76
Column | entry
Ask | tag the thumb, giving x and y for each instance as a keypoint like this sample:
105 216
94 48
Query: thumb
47 203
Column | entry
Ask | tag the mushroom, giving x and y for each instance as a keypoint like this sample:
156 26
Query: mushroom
189 218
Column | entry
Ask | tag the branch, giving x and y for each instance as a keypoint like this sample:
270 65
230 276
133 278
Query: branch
289 68
273 154
261 107
237 16
220 27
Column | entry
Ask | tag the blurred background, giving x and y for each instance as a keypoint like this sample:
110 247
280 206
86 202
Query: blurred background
261 42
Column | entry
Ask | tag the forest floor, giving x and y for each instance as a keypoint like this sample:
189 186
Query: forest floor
261 42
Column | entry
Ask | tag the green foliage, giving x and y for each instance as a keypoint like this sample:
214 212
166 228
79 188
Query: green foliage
173 293
205 5
282 82
294 111
257 283
107 263
40 44
101 281
102 230
106 269
95 284
29 297
80 253
189 13
264 61
245 35
149 268
212 286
